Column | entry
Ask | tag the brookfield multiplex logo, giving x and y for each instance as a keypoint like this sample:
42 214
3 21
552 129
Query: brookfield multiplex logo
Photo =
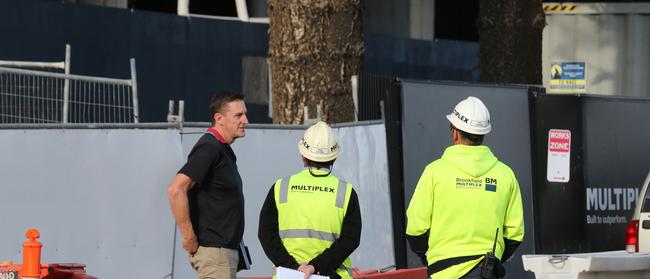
488 184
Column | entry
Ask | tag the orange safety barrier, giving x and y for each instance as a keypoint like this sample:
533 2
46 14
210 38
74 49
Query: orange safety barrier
31 268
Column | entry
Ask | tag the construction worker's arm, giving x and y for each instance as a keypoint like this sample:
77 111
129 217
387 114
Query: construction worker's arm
419 215
419 245
199 162
333 257
269 237
513 227
179 204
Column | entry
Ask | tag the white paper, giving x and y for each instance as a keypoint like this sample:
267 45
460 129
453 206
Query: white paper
286 273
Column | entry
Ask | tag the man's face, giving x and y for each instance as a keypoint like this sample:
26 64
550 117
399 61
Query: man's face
233 120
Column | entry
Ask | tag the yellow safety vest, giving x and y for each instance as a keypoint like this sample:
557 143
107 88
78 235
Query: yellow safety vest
462 198
310 214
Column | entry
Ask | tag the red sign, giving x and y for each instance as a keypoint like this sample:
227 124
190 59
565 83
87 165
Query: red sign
559 141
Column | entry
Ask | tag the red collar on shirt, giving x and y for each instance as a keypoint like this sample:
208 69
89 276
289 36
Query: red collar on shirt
217 135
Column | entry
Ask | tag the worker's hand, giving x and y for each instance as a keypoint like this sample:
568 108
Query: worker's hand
190 244
307 269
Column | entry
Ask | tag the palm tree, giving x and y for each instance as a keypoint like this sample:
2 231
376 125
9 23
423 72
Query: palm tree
510 36
315 46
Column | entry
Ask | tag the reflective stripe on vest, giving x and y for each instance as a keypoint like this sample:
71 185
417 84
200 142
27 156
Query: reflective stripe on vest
296 233
340 194
284 189
311 210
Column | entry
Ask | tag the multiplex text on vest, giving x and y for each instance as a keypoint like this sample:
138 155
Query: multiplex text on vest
311 188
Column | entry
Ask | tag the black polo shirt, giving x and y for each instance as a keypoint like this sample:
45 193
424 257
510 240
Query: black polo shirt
217 202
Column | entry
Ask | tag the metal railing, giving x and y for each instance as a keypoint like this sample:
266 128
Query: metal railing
31 96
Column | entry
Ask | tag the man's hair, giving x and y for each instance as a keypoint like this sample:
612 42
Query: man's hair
320 165
220 100
472 138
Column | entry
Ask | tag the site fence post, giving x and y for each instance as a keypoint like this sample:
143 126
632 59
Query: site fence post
66 85
134 90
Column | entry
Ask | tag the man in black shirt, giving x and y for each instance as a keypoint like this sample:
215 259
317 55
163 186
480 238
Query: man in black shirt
206 195
311 221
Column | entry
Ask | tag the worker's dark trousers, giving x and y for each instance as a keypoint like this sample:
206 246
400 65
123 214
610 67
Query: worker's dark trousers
476 274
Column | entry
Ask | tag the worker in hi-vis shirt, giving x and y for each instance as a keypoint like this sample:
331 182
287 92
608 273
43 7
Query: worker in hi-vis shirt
466 203
311 221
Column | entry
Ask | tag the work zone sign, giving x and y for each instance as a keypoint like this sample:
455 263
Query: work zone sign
559 155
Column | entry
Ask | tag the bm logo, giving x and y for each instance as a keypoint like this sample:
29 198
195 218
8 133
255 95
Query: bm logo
490 184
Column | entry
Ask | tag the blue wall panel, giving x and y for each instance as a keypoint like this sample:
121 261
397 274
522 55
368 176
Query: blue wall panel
419 59
177 57
191 58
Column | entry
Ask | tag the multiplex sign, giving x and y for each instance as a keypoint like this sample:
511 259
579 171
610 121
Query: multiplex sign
610 205
559 156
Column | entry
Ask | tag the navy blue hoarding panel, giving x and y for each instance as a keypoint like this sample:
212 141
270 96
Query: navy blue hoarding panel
420 59
191 58
176 57
608 163
616 136
425 135
559 206
391 93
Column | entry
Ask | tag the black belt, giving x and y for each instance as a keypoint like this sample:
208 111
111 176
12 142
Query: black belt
445 263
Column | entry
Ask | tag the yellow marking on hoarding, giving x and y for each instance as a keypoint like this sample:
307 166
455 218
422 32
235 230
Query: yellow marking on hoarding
559 7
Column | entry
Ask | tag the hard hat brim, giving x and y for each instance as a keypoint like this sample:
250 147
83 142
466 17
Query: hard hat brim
315 156
460 125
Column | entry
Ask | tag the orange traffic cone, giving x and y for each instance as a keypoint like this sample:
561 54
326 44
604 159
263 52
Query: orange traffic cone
31 256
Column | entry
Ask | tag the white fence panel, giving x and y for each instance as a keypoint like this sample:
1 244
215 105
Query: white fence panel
268 153
97 196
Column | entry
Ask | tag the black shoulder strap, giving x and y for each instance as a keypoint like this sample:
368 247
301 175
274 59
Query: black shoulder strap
445 263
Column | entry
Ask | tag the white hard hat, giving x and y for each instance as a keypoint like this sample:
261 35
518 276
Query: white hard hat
318 144
471 116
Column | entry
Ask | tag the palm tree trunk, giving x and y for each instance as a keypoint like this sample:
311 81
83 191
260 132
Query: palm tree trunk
510 35
315 46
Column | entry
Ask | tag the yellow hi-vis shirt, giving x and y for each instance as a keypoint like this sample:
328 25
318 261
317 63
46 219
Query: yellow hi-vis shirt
311 210
462 198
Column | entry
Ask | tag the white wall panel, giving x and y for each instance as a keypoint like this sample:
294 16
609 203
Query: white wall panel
97 197
266 154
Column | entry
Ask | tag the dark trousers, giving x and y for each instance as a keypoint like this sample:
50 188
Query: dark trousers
475 273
